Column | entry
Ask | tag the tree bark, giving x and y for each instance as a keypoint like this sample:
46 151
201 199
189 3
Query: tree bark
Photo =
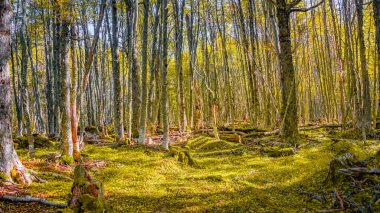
366 117
164 70
144 89
287 73
9 160
376 8
65 79
118 105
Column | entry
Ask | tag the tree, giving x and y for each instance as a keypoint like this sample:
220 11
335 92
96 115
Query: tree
9 160
164 74
144 90
288 78
118 104
363 62
65 74
376 8
136 90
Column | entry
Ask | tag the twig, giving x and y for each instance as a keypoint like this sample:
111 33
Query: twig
340 200
30 199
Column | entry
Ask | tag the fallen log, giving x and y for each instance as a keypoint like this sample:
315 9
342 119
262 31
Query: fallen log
359 171
30 199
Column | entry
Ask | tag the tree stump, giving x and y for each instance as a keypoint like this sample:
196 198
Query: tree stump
86 194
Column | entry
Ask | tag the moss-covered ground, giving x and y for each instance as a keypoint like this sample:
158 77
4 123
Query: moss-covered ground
226 176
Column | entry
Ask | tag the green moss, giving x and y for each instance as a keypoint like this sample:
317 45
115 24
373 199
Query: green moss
144 179
67 160
90 203
230 137
209 144
92 129
277 151
39 142
345 146
4 176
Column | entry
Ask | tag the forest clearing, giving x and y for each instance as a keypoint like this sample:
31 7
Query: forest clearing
223 176
190 106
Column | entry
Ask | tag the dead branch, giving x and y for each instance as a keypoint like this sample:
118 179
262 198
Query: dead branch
30 199
306 9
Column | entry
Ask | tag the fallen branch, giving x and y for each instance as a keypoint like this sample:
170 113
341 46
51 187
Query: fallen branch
328 210
58 175
30 199
359 171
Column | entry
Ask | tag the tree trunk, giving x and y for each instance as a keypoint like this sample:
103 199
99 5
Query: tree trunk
164 70
144 89
73 95
66 135
136 102
9 161
376 8
118 105
288 82
366 117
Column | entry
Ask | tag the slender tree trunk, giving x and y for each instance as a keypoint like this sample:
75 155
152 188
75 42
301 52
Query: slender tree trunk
136 90
56 68
363 62
376 8
73 95
118 105
67 140
164 70
16 97
144 89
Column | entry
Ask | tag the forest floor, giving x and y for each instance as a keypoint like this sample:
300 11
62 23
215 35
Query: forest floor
222 176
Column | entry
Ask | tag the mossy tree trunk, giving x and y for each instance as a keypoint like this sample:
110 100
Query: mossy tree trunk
144 89
364 69
289 109
288 81
73 95
136 90
118 104
66 134
164 70
11 167
86 194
